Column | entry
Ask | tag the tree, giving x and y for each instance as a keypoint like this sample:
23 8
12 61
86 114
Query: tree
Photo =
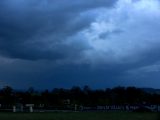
7 96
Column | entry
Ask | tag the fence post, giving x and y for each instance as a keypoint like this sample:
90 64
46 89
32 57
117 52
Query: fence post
14 108
30 108
75 107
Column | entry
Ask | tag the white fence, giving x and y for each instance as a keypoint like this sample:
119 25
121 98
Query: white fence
30 108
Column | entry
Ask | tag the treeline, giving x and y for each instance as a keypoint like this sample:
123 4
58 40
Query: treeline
81 96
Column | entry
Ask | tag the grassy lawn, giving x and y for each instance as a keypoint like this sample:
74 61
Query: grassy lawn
80 116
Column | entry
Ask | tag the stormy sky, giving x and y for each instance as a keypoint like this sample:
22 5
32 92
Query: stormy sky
64 43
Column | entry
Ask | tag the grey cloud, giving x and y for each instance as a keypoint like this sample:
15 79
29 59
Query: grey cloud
107 34
46 74
26 26
63 43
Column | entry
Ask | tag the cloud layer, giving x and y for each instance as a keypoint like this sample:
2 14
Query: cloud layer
42 29
64 43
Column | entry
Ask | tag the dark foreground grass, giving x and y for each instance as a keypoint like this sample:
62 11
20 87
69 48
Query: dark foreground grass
80 116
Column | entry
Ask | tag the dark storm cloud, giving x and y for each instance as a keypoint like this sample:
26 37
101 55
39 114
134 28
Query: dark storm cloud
47 74
61 43
39 29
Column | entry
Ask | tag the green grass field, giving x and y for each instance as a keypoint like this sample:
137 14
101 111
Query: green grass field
80 116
